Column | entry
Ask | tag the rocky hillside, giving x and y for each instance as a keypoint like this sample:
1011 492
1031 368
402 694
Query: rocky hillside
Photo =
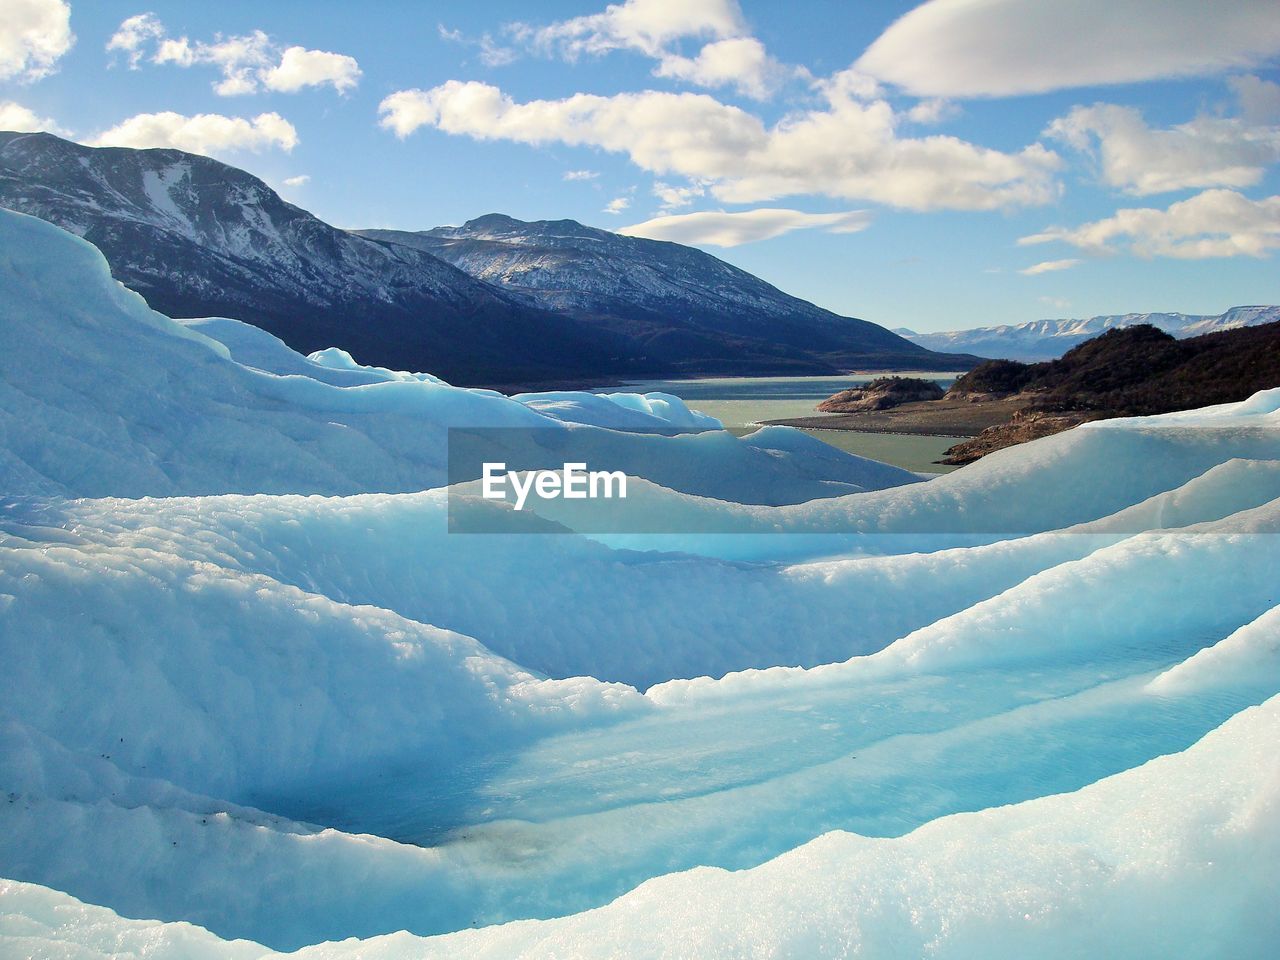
883 393
1134 371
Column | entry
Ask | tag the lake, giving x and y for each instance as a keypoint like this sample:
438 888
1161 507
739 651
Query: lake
740 403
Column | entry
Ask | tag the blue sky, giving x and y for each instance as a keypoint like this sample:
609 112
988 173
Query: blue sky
960 163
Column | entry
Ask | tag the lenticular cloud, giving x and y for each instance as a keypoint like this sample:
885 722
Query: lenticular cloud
257 697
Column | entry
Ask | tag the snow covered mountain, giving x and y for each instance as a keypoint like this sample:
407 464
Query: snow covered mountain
199 238
686 307
1049 339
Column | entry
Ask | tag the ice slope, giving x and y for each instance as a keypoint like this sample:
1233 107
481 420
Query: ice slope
1062 481
620 411
1007 699
1176 858
641 618
253 347
101 396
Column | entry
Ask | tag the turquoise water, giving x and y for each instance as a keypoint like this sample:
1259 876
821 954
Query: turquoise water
742 402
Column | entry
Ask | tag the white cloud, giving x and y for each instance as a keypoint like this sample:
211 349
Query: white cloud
34 34
133 35
730 58
648 26
849 84
968 48
617 205
1048 266
207 133
739 62
934 110
672 197
580 175
850 150
248 63
300 67
20 119
1206 152
177 51
1058 303
1215 223
301 180
721 229
494 54
1259 99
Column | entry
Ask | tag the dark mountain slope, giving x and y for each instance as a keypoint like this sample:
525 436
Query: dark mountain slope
685 307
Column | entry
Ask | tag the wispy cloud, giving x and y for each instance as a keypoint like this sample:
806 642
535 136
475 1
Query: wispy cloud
1047 266
649 26
580 175
492 53
724 229
617 205
672 197
729 57
1215 223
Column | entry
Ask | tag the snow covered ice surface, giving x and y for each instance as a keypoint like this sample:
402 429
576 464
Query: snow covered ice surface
254 690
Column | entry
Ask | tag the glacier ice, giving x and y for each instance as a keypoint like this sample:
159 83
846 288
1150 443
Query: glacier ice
815 708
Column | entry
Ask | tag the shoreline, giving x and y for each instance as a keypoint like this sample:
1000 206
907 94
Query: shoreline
811 423
958 419
603 383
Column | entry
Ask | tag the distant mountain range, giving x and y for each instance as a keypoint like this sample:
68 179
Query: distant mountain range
1049 339
495 301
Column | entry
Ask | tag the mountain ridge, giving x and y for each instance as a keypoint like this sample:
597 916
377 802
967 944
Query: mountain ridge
682 303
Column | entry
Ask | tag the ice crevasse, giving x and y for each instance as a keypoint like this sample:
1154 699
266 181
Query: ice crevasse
257 698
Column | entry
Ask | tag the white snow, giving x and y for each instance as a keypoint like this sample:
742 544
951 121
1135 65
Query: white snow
255 690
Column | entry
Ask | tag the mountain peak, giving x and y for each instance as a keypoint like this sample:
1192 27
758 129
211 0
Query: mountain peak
501 226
